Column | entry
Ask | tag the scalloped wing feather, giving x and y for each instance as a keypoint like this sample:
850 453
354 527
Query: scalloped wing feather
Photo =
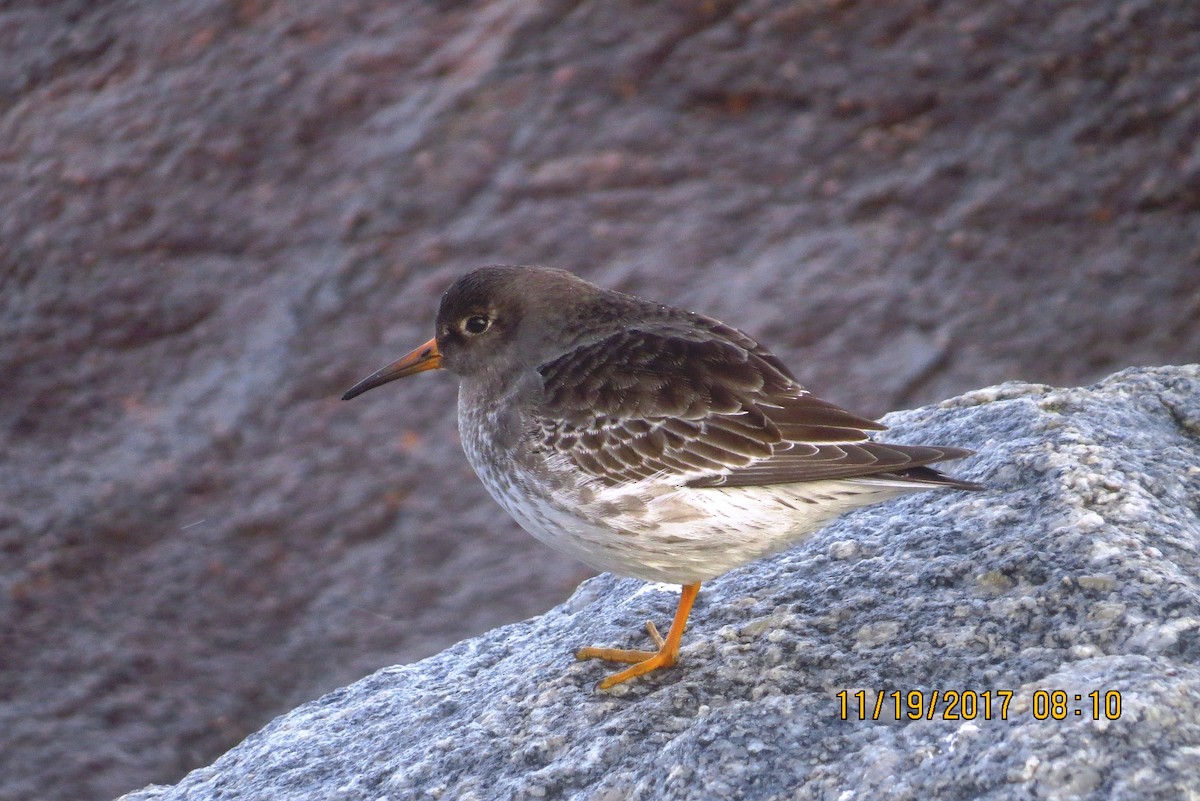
705 405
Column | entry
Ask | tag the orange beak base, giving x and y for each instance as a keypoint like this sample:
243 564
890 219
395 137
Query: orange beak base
423 358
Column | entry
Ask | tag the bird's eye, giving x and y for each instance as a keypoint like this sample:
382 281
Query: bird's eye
477 324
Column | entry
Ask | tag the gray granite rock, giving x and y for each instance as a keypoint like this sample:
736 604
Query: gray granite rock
1077 571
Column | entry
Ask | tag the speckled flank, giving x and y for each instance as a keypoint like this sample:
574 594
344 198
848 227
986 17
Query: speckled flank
652 529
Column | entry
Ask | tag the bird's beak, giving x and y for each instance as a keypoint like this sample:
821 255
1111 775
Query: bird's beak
423 358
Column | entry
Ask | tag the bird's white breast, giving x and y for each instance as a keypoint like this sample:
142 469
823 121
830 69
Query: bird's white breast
652 529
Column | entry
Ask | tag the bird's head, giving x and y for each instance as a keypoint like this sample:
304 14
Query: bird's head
497 319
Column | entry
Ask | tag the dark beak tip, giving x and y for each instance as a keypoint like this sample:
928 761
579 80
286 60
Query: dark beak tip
423 358
370 382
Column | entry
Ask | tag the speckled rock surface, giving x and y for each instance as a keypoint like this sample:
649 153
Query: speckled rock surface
1077 571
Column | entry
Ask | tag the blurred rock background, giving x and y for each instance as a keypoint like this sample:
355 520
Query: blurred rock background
216 216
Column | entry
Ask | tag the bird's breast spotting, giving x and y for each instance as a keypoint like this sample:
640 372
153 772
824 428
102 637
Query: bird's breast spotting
653 528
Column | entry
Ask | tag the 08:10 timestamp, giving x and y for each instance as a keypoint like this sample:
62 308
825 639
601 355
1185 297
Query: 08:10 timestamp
970 705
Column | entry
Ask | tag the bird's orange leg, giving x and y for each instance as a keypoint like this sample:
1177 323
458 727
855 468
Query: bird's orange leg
646 661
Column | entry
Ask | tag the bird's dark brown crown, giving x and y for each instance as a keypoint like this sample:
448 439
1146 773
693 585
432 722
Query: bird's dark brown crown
505 318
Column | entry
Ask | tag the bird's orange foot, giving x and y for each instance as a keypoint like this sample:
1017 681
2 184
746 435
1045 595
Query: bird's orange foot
646 661
643 661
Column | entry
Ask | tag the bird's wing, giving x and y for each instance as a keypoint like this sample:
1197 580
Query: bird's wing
703 407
